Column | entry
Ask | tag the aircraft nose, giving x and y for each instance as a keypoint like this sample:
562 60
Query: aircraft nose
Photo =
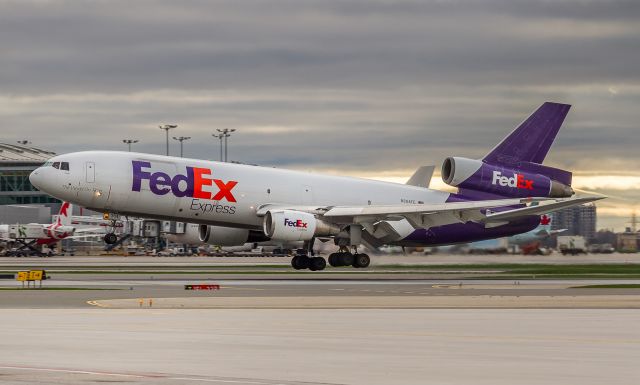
36 178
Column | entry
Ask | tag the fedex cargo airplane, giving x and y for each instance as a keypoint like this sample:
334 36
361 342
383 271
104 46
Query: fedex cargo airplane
500 195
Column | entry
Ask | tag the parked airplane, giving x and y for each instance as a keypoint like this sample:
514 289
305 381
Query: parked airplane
31 234
236 204
538 234
528 242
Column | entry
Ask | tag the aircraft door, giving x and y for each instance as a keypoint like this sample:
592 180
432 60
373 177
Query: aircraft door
90 168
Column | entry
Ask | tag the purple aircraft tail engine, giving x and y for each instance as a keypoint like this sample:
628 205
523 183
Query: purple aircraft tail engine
513 168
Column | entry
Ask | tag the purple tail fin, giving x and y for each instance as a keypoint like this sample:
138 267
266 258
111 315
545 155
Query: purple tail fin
531 141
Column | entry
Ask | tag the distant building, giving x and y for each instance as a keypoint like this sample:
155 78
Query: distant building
578 220
628 242
16 163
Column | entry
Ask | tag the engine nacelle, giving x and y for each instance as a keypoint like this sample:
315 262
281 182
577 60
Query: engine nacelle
223 236
477 175
291 225
191 235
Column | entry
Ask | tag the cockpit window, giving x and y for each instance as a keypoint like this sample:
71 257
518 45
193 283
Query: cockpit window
64 166
56 165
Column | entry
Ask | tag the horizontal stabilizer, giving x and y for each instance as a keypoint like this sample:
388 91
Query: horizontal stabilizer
538 209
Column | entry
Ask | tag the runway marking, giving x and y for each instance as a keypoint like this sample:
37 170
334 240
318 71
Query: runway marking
90 372
225 381
132 375
98 304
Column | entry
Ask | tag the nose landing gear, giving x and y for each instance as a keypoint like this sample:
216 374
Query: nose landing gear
110 238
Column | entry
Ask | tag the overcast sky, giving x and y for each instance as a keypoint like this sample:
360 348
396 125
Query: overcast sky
370 88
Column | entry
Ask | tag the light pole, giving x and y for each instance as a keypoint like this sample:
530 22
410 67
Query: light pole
226 133
219 136
181 139
167 127
129 142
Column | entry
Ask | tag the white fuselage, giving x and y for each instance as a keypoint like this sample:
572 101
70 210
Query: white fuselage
214 193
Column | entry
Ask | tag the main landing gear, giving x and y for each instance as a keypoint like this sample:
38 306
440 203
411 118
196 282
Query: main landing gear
301 261
305 258
345 258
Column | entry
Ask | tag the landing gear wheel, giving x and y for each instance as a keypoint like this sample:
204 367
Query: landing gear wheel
300 262
361 261
334 260
346 259
110 238
317 263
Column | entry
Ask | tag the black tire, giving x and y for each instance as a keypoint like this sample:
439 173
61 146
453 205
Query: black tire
304 261
110 238
346 259
334 260
317 264
295 262
361 261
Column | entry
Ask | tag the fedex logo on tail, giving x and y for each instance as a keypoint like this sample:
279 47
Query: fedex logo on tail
517 180
193 183
296 223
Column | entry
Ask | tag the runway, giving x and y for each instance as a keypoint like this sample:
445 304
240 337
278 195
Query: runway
284 346
101 322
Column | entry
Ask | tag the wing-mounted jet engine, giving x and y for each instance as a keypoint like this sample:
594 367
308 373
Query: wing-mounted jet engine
228 236
291 225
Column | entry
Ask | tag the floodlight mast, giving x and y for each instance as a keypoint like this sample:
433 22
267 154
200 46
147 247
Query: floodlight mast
166 128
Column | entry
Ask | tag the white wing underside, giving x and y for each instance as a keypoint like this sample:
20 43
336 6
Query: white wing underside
392 222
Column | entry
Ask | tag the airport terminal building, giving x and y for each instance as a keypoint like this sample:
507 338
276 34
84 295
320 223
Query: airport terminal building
16 192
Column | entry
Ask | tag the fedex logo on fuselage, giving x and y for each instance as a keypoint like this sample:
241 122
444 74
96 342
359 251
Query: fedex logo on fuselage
517 180
160 183
297 223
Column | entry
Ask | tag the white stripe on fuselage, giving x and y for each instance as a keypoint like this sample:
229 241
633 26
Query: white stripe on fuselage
112 175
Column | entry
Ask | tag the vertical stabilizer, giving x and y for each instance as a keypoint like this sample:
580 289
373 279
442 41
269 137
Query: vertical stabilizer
65 213
531 141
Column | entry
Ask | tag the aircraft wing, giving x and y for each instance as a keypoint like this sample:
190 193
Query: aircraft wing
432 215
